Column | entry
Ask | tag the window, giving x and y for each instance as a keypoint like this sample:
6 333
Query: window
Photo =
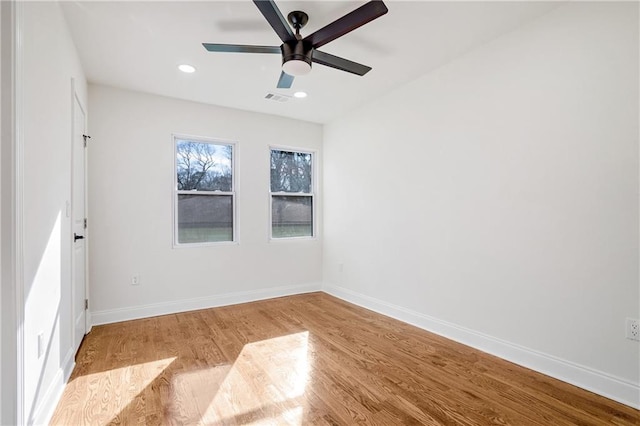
204 201
291 194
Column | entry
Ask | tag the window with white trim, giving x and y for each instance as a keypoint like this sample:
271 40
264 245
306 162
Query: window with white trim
204 199
292 185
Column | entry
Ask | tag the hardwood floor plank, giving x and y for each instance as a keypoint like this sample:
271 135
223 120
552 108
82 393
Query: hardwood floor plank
308 359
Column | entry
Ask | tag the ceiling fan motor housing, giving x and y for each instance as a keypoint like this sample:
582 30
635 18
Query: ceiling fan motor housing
297 51
296 57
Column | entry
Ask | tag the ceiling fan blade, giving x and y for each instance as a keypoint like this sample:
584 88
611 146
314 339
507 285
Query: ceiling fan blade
349 22
285 81
240 48
337 62
276 20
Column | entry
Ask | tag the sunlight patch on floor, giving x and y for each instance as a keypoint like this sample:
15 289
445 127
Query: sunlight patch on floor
105 393
293 416
265 384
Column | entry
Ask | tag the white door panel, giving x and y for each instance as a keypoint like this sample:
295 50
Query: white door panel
78 225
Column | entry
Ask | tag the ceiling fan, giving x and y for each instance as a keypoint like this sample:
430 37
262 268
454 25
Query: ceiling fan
298 53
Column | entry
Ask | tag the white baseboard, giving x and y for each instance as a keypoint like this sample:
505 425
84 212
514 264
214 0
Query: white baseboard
172 307
611 387
88 322
44 411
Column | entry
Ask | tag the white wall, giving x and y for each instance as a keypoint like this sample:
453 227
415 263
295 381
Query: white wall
6 206
130 209
49 63
495 200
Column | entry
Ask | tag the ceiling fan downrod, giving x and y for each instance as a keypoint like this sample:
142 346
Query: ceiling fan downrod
297 55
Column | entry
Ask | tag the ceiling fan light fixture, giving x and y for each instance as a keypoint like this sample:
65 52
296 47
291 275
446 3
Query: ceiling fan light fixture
296 67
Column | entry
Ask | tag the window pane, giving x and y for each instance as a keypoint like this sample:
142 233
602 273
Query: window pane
203 166
205 218
291 216
290 171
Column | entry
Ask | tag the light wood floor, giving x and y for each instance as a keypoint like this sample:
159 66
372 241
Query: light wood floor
308 359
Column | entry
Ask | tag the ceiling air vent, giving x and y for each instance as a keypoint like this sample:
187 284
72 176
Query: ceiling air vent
277 98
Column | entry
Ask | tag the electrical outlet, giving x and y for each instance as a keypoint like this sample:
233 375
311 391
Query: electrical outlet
633 329
135 280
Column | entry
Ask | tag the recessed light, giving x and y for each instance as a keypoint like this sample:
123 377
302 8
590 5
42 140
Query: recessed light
300 95
187 68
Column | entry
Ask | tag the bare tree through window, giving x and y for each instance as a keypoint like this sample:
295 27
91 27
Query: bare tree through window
204 186
291 194
203 166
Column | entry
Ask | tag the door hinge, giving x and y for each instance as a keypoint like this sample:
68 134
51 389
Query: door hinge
86 304
85 223
85 139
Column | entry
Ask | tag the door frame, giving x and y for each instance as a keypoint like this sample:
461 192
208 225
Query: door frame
11 216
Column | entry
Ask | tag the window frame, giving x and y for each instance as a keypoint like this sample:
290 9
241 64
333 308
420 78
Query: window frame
175 137
312 194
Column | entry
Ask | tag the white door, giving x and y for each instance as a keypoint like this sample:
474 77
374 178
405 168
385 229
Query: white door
78 229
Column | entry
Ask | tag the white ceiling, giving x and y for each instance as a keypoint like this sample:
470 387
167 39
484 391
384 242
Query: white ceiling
138 46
